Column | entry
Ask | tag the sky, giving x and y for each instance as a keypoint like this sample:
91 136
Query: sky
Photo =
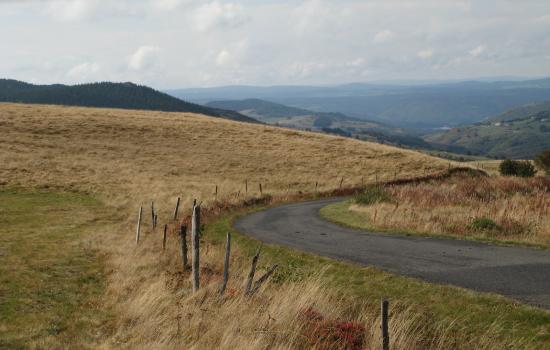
188 43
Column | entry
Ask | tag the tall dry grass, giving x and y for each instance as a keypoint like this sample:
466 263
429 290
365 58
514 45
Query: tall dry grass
128 158
519 207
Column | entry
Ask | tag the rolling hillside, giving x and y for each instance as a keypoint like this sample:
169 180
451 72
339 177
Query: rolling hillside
106 95
418 107
331 123
519 133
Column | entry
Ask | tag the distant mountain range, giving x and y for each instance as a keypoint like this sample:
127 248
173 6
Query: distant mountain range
520 133
107 95
416 107
332 123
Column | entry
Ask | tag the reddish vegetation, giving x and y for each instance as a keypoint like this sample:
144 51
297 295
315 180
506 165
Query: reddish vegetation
323 333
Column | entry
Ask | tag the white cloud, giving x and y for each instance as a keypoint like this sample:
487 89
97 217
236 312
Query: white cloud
86 71
383 36
478 50
425 54
223 57
144 58
219 15
71 10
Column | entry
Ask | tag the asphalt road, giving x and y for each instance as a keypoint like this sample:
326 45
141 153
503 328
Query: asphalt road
516 272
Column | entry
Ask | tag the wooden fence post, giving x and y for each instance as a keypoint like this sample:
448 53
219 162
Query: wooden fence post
164 236
138 228
183 243
153 215
176 209
156 220
246 186
195 243
316 184
226 263
216 193
261 192
341 182
384 326
262 279
252 272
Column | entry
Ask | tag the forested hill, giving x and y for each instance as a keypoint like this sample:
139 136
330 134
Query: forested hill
107 95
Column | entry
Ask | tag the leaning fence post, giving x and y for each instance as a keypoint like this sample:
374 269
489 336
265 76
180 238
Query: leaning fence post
164 236
341 181
262 279
384 326
183 242
195 243
252 271
176 209
138 228
226 263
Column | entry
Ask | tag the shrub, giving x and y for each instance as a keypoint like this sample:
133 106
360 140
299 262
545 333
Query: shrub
372 195
543 161
484 224
517 168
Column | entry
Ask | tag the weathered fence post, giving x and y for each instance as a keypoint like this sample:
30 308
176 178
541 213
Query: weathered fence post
138 228
226 263
156 220
216 193
341 181
176 209
262 279
252 272
195 229
153 215
246 186
384 326
183 243
316 185
261 192
164 236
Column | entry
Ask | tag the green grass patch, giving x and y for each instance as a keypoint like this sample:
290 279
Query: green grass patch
474 314
51 280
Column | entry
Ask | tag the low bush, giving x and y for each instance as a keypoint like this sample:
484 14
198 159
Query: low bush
517 168
484 224
543 161
372 195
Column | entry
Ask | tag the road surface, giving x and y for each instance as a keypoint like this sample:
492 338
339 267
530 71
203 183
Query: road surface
516 272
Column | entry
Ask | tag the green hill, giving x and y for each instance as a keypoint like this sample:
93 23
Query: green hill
333 123
106 95
520 133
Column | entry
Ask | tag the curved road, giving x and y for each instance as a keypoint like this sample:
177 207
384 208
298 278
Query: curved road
516 272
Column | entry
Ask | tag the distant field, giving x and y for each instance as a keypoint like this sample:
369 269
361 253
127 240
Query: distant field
129 158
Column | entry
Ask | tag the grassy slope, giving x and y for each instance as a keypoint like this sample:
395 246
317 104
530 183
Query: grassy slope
475 315
132 157
51 279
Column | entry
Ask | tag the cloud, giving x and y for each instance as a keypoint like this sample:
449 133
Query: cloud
383 36
425 54
223 57
86 71
144 58
478 50
219 15
72 10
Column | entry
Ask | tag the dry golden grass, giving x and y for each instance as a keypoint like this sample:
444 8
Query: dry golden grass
136 156
519 207
128 158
